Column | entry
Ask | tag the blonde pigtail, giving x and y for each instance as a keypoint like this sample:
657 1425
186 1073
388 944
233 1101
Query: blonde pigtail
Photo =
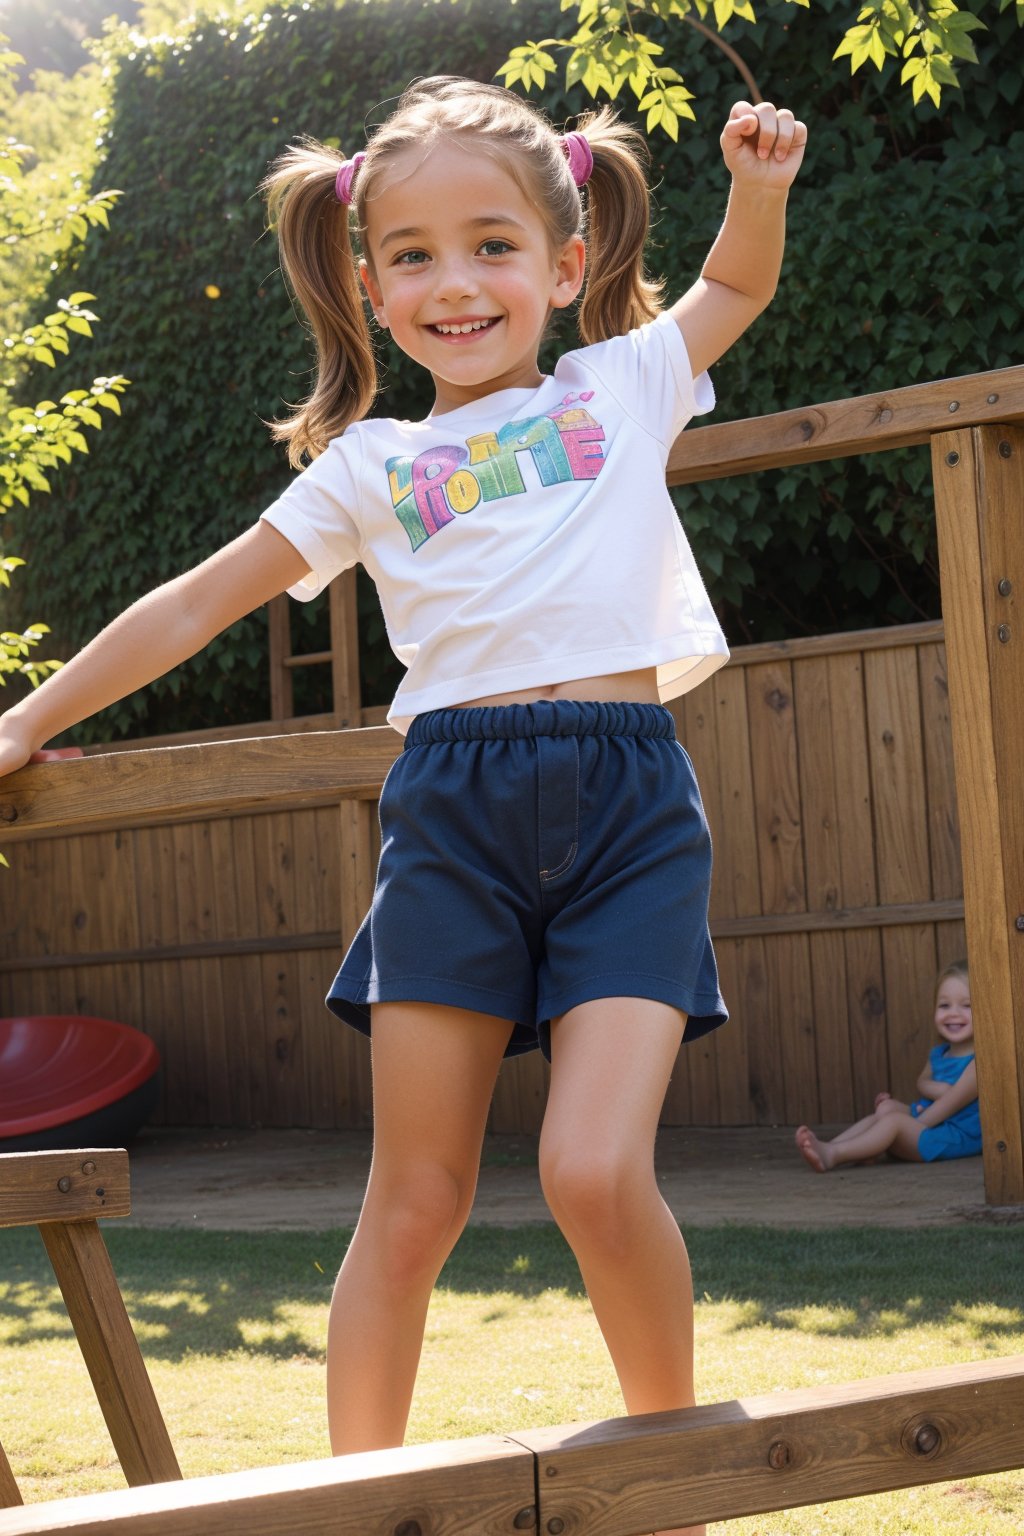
319 263
619 294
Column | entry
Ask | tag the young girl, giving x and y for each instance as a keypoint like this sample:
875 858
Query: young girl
944 1122
545 859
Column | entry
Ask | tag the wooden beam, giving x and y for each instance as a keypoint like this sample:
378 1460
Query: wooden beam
484 1486
619 1477
778 1451
63 1186
838 429
979 492
888 638
173 783
124 1391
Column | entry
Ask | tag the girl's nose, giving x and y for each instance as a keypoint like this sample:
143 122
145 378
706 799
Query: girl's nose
455 280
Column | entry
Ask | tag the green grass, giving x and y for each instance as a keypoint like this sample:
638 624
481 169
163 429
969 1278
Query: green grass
233 1328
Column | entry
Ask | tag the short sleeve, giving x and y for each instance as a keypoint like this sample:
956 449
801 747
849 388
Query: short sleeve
318 514
648 370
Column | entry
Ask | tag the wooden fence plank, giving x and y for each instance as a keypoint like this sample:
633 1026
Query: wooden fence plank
908 955
482 1486
869 1054
979 490
765 1087
779 832
897 775
832 1028
626 1476
940 776
730 1045
899 418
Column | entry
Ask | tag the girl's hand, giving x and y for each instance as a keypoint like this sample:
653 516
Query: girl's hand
763 145
15 750
881 1097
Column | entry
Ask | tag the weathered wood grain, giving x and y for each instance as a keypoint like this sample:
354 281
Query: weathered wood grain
979 491
779 1451
481 1487
898 418
167 783
123 1388
63 1186
619 1477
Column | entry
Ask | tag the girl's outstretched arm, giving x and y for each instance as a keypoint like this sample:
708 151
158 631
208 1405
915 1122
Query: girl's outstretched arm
155 634
956 1095
763 147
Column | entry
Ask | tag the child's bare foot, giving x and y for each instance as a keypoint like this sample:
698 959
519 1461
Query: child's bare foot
881 1097
813 1150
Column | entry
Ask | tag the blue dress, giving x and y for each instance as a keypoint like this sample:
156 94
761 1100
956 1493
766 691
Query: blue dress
960 1135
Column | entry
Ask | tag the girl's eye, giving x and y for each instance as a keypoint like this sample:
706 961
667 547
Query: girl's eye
411 259
495 248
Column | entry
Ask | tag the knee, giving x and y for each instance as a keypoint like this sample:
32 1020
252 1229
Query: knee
415 1222
595 1199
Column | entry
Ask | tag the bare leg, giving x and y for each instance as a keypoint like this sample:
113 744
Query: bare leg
433 1077
893 1133
885 1107
611 1063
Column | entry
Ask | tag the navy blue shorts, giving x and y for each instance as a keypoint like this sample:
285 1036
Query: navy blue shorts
533 857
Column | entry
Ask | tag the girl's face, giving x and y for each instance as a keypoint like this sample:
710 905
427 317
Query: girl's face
460 269
953 1018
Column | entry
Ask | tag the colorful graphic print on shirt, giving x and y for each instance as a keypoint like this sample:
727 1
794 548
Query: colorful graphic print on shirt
428 491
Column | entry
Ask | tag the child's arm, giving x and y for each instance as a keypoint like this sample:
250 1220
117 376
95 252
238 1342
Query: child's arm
154 635
955 1096
763 149
927 1086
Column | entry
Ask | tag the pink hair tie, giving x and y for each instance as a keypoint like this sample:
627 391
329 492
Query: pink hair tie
579 155
346 174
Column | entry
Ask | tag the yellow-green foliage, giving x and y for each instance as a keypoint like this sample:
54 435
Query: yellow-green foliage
38 438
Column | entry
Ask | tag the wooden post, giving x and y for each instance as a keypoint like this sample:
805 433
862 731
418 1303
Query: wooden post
979 493
63 1193
355 822
345 651
282 705
10 1494
123 1388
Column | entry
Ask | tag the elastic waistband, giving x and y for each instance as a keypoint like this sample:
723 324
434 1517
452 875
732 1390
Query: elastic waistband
547 717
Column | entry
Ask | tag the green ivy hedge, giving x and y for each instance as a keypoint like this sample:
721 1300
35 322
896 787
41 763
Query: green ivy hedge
902 266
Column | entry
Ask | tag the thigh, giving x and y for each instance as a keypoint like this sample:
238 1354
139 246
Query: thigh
434 1070
611 1062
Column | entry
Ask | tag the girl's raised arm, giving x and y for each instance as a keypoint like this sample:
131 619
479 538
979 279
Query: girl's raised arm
155 634
763 147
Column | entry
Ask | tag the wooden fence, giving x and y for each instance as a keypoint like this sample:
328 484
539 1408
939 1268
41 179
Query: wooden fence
827 774
829 781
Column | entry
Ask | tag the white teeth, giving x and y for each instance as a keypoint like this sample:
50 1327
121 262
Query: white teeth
462 330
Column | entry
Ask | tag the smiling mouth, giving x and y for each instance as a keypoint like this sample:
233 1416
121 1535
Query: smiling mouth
464 327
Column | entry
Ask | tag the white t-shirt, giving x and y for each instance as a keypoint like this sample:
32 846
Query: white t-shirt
526 539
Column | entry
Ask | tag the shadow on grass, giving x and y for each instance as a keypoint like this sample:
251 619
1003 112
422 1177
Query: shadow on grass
191 1292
